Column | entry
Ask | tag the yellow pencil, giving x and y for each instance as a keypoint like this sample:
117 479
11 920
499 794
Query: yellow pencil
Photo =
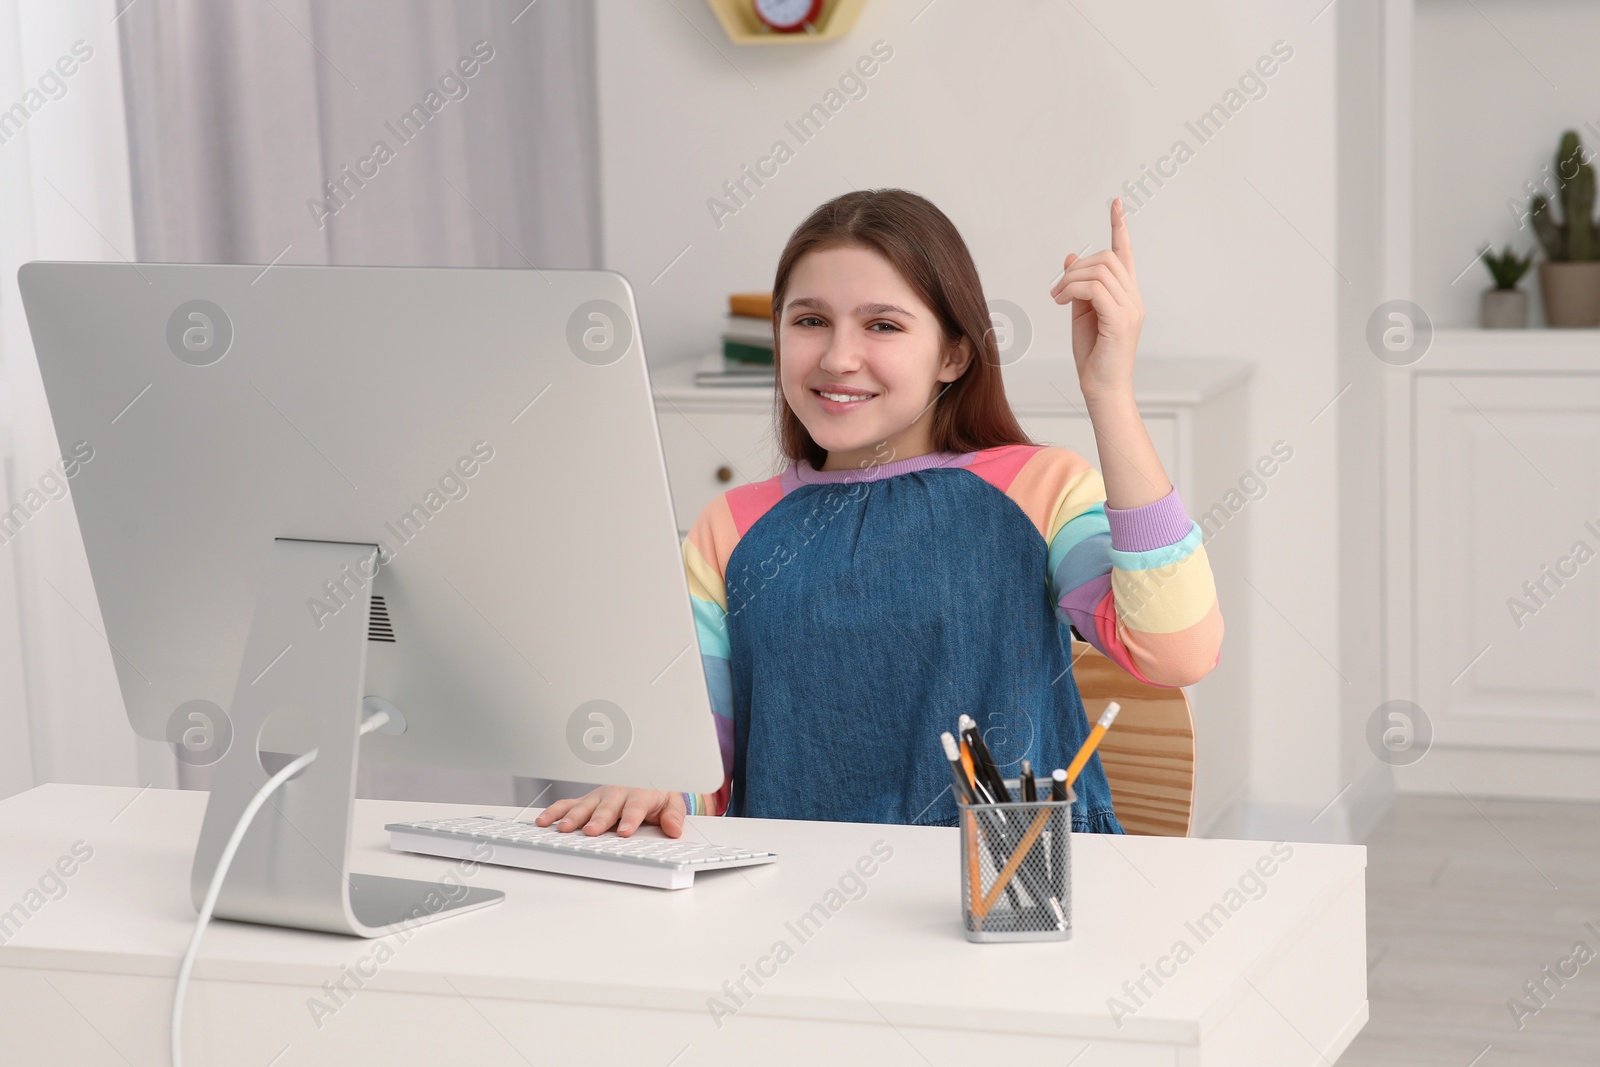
974 884
1093 742
1018 854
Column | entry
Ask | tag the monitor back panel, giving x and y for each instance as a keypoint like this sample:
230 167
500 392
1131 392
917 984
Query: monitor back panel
492 431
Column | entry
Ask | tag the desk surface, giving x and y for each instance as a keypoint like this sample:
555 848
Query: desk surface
1292 941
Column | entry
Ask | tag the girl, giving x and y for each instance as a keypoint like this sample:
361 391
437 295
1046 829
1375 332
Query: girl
919 557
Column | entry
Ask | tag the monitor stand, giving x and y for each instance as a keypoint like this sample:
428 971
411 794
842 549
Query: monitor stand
292 867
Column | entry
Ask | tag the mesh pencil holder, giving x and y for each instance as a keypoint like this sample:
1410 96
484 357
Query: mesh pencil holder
1016 868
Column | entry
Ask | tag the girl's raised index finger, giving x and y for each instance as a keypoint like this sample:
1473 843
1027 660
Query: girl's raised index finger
1121 244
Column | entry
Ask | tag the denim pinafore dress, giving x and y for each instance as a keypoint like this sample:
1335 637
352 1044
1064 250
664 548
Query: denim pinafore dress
866 614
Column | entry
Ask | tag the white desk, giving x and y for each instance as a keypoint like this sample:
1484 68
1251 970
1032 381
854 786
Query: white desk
575 971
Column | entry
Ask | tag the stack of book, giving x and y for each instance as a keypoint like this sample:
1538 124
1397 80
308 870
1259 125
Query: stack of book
717 369
747 333
746 356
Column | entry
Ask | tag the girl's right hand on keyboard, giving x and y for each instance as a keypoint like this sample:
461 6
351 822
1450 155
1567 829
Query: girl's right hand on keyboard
614 805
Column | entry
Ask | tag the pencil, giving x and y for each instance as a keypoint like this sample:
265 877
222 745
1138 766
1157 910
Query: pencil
1020 853
1093 742
974 880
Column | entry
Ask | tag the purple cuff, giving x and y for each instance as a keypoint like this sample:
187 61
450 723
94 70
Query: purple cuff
1150 526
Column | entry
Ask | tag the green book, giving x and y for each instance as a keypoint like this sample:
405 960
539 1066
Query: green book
740 352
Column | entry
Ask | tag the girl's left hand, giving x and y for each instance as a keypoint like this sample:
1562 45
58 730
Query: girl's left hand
1106 314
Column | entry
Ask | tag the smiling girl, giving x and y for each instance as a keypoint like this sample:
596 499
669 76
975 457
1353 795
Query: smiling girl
919 557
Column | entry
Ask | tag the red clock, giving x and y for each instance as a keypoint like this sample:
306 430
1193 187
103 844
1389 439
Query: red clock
788 16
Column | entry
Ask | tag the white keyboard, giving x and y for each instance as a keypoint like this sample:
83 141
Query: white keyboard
664 862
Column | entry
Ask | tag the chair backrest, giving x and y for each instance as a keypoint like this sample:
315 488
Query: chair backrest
1149 754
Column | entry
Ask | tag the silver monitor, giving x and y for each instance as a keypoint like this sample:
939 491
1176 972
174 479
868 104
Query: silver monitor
435 491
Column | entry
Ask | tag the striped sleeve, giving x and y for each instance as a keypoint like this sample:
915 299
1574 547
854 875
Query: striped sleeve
705 552
1135 582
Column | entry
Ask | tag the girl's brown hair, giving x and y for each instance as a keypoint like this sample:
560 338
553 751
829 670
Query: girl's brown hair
923 245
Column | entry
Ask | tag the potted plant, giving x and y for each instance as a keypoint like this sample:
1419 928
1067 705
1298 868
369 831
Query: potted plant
1505 307
1569 279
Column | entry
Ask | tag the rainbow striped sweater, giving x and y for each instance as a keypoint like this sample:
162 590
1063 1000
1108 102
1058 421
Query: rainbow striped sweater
1134 583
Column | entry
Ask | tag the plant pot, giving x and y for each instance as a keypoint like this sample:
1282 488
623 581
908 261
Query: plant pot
1571 293
1503 309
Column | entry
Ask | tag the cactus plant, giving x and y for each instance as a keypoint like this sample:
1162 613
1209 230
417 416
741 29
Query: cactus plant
1575 239
1506 267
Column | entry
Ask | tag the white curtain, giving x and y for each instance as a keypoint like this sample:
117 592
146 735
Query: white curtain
240 111
63 195
246 132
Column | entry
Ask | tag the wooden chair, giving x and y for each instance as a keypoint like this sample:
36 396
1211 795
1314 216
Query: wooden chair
1149 753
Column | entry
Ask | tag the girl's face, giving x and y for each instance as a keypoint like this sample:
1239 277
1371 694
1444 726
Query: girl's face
852 327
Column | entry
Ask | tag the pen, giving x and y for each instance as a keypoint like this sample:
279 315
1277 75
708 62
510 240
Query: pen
975 789
1107 717
1058 844
1030 795
983 761
987 777
957 770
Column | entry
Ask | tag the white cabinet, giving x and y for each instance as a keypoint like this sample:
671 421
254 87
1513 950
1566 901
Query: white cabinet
1508 559
712 451
1494 523
717 437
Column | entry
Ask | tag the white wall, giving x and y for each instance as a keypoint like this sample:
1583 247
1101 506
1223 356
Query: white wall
1497 83
1022 121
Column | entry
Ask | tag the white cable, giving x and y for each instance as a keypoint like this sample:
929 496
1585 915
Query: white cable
371 723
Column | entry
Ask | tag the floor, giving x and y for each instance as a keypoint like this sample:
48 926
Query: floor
1468 900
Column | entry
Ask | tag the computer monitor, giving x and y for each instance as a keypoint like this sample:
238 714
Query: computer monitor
436 491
